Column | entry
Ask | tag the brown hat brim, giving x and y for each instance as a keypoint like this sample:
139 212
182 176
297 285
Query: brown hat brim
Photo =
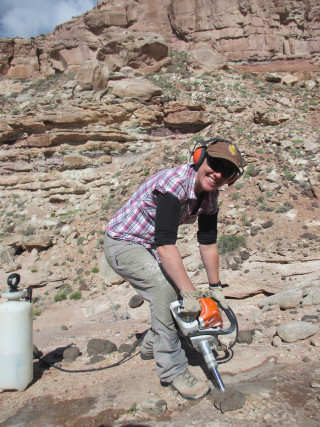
226 151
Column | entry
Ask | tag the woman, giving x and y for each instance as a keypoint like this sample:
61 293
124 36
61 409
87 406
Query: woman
140 245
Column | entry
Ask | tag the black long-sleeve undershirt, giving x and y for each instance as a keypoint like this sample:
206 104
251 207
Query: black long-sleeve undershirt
168 218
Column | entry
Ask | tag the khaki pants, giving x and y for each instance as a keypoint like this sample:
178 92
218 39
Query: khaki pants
139 267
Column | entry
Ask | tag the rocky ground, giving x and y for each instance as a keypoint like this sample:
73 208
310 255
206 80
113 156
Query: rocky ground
55 208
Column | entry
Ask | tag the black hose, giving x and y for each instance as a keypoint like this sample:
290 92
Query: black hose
125 358
230 314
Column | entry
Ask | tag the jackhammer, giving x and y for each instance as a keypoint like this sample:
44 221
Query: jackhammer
203 332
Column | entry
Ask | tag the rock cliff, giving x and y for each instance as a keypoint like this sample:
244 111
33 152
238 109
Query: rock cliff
138 34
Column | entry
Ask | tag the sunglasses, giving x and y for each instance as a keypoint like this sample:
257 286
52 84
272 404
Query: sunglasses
227 172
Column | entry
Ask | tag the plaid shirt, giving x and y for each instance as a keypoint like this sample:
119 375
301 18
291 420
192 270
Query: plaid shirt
135 221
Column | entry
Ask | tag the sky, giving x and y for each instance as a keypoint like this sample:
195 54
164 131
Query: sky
30 18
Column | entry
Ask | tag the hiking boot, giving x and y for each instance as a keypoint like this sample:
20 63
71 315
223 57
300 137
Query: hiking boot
189 386
146 356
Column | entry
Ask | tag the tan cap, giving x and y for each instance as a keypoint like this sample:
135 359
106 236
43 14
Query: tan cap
227 151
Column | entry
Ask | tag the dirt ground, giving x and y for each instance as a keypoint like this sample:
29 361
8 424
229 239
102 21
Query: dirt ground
276 381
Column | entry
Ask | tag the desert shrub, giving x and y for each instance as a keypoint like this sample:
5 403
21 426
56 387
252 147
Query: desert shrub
81 240
283 208
76 295
29 230
60 297
229 243
235 196
248 171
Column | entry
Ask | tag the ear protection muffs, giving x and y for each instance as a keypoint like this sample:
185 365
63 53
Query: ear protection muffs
200 150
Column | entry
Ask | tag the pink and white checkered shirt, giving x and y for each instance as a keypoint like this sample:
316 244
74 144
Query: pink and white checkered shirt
135 221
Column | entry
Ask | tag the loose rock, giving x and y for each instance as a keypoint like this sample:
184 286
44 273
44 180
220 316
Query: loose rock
294 331
230 400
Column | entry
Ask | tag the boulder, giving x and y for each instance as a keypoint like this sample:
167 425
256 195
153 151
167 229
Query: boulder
98 346
206 59
289 79
285 300
312 297
270 118
136 88
186 116
36 242
296 330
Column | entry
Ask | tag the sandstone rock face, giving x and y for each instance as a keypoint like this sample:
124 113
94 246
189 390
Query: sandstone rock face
93 75
134 49
25 61
252 30
138 34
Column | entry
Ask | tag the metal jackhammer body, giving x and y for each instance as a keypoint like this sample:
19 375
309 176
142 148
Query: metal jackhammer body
203 331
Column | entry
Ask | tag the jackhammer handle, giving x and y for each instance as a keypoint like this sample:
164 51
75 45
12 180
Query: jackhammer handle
232 319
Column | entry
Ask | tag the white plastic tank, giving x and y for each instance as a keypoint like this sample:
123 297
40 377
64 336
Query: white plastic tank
16 346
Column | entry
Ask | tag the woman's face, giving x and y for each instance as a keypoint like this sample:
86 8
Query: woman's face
207 179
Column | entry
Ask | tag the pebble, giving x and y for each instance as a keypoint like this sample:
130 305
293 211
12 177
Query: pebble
245 336
276 342
136 301
70 354
315 384
153 406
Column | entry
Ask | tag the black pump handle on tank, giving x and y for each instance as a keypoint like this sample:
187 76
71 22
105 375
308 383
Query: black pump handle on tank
13 281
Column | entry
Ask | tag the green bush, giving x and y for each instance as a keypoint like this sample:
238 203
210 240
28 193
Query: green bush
229 243
283 208
36 312
76 295
60 297
81 240
29 231
235 196
248 171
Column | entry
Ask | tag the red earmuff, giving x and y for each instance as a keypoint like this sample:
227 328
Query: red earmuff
199 155
234 179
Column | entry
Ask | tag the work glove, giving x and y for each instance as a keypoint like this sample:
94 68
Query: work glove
191 304
215 292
